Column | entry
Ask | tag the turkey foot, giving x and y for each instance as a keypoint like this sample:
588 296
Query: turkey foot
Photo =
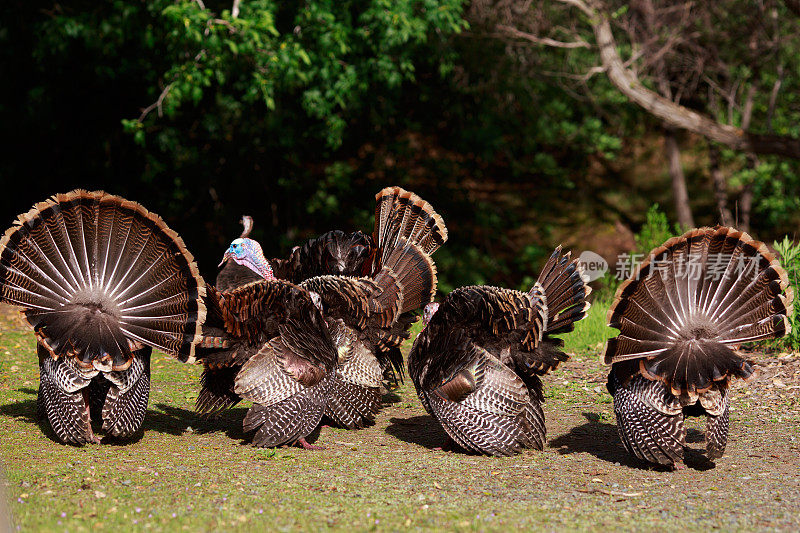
303 443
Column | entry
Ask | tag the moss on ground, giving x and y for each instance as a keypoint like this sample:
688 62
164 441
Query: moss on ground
187 474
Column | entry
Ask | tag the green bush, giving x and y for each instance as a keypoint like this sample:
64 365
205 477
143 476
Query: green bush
655 231
790 259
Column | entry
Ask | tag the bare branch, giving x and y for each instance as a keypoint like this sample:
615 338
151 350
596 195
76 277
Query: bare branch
586 76
201 4
235 9
773 96
156 105
223 22
668 111
747 108
588 11
542 40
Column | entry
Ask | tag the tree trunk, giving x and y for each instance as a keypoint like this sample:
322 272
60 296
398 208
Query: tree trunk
679 193
720 186
745 205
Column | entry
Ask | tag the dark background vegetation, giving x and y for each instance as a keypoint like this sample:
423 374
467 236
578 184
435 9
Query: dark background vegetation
502 114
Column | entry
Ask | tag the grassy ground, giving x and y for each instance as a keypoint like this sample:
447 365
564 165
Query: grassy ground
187 474
591 333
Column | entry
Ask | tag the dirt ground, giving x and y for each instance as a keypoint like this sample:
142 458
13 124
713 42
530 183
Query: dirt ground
184 473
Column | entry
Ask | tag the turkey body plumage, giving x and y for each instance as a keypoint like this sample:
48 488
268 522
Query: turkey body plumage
681 316
477 364
102 281
267 342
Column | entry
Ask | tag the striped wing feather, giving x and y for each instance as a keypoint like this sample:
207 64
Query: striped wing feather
277 353
486 408
649 420
126 401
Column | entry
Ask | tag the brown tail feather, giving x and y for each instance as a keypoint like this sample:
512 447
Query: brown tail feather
400 214
692 299
414 272
562 288
566 290
99 275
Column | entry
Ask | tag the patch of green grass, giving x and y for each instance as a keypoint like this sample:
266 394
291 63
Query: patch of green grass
591 333
187 474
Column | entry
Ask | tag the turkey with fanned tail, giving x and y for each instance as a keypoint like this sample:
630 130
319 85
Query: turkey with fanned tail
403 221
477 363
367 316
682 315
102 281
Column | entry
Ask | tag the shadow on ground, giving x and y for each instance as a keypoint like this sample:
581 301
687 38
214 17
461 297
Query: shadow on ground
420 430
165 419
390 398
175 420
601 440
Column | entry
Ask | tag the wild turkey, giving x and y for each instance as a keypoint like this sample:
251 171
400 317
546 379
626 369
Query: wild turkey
401 218
102 281
681 316
233 275
477 363
365 315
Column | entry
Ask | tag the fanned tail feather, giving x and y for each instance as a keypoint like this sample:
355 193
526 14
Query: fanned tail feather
412 271
694 299
566 288
99 276
560 294
401 214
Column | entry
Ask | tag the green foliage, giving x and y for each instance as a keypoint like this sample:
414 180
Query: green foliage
331 57
655 231
790 259
298 112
